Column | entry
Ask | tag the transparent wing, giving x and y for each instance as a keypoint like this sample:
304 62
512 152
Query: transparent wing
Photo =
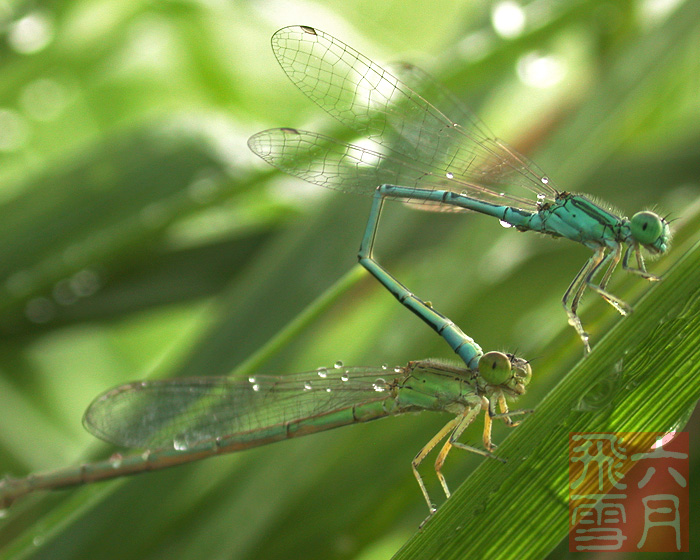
175 412
390 113
440 97
336 165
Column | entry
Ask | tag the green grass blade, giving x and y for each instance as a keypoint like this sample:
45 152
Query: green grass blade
641 377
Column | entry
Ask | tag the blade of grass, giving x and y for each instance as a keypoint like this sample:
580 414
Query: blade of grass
641 377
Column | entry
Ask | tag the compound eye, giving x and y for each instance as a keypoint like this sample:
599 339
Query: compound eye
646 227
494 368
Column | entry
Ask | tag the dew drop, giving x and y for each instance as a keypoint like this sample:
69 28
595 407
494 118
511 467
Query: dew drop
180 444
38 540
338 364
541 197
256 387
307 386
449 175
116 460
322 372
379 385
398 369
619 366
505 224
480 509
344 377
251 380
385 366
545 180
328 389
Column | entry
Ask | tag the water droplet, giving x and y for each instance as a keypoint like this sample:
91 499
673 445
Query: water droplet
344 377
256 387
251 380
38 540
398 369
338 364
385 366
322 372
307 386
379 385
600 394
328 389
480 509
541 197
180 443
632 385
116 460
449 175
464 193
545 180
505 224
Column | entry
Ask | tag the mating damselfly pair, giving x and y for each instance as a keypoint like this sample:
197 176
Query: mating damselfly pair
435 154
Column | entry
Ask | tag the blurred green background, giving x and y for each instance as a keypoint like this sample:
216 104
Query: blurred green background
141 239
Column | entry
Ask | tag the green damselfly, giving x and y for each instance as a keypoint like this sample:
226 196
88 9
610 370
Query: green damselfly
442 156
178 421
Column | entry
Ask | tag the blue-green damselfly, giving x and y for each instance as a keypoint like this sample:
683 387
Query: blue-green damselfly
442 156
178 421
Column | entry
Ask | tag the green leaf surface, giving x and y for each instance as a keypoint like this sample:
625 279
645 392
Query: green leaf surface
642 377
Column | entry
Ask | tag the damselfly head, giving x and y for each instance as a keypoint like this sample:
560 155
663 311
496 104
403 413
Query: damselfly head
651 231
